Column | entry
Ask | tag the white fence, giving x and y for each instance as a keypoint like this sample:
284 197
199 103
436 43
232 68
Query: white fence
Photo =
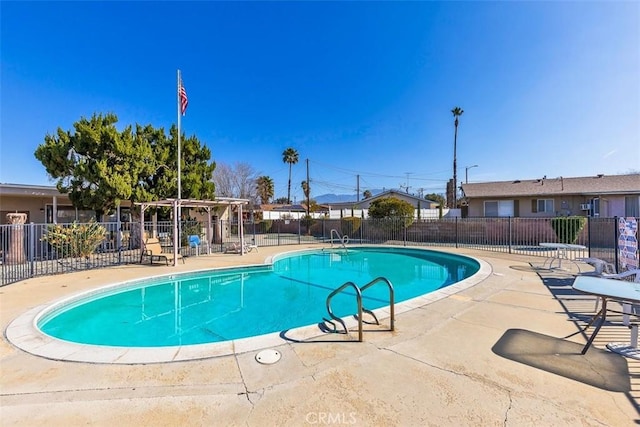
358 213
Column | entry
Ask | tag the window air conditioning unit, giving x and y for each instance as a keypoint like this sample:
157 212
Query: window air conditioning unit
585 206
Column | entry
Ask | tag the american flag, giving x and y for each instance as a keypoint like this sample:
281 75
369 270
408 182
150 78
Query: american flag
184 101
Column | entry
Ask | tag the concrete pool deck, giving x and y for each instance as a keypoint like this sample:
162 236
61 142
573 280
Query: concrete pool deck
491 354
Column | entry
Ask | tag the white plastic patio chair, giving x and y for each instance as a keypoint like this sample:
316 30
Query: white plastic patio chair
600 266
195 242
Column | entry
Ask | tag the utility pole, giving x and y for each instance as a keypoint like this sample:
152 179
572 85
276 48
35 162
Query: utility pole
457 112
357 188
308 189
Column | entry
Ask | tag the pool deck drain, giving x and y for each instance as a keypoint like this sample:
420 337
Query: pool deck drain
268 357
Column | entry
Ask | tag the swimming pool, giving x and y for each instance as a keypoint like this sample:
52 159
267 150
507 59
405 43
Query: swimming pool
226 305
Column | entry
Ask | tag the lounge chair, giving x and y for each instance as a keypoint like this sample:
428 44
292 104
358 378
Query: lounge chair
153 250
236 248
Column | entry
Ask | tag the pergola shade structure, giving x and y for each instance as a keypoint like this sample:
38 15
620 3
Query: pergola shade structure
178 204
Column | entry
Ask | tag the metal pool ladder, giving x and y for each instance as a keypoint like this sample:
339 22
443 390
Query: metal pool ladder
335 319
342 239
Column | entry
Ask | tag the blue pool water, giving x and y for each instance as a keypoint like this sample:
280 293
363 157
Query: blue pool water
219 305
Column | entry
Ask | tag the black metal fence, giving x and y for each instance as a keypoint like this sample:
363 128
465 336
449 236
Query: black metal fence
30 250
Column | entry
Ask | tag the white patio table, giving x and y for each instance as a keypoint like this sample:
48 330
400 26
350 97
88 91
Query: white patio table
562 252
627 293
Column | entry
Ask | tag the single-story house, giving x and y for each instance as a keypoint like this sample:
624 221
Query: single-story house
296 211
41 203
592 196
424 208
44 204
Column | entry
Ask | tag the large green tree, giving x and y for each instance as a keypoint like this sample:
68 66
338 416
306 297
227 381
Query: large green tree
393 208
436 198
264 188
99 166
196 167
290 156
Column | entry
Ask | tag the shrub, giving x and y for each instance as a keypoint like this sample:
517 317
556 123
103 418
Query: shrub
268 224
307 221
392 208
75 240
350 225
190 228
568 228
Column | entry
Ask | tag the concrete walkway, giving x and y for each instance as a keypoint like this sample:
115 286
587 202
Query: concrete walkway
493 354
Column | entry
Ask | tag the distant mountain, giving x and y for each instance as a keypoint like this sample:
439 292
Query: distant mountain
335 198
339 198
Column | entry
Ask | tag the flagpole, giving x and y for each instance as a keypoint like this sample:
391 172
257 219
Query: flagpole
179 113
178 210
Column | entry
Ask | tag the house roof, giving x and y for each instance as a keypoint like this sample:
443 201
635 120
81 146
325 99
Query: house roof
384 194
290 208
29 190
589 185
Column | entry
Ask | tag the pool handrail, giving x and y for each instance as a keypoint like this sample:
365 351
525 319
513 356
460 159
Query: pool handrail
336 318
361 309
342 239
391 298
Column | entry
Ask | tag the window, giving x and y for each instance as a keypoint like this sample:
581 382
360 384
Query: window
595 207
68 214
499 208
632 206
542 205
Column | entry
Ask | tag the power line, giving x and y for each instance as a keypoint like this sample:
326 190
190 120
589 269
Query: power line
375 174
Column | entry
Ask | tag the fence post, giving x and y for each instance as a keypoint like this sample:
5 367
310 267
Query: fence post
510 234
589 236
32 248
404 232
221 235
299 230
253 225
615 242
456 230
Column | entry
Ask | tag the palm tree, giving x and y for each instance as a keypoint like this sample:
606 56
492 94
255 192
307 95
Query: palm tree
265 189
306 189
457 112
290 156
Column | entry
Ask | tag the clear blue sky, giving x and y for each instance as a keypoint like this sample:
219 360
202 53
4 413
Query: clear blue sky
358 88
